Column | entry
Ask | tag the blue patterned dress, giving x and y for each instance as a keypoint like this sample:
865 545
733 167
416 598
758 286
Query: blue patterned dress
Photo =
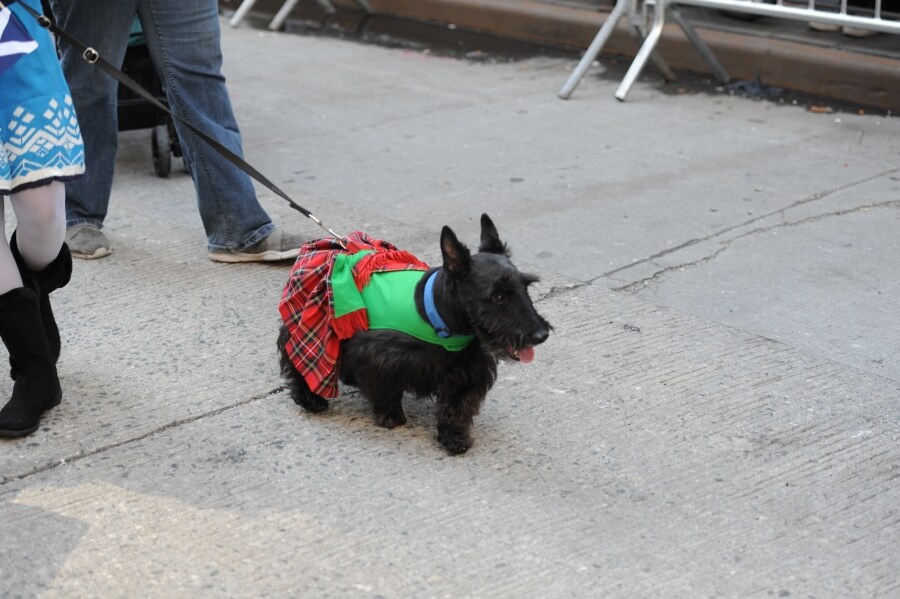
39 136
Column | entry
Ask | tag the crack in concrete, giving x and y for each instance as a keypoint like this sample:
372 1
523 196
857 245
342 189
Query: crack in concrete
660 273
726 244
552 293
5 479
811 198
557 291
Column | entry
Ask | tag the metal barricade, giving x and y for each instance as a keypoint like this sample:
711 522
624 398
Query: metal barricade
661 9
285 10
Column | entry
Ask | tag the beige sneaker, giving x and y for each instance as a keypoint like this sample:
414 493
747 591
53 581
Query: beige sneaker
859 33
87 242
278 245
825 27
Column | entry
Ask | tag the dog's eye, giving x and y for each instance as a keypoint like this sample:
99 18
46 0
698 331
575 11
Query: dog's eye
499 297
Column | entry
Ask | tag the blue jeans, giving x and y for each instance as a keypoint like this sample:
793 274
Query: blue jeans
183 39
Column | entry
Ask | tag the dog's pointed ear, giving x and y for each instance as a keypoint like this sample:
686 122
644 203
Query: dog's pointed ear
457 259
490 239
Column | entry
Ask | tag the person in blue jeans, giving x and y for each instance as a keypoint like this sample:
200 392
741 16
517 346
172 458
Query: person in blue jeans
183 39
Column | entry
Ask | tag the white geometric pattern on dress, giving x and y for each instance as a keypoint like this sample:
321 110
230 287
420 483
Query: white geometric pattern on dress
41 144
33 140
4 162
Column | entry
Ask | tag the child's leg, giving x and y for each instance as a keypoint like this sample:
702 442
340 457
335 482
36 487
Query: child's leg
44 260
9 272
41 223
22 328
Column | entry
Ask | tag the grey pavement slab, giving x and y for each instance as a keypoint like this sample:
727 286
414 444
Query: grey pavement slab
716 413
825 281
430 140
650 453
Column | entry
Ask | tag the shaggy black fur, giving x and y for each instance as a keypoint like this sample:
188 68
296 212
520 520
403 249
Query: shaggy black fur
481 294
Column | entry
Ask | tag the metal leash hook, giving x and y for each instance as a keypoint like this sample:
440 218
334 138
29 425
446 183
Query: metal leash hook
340 238
310 216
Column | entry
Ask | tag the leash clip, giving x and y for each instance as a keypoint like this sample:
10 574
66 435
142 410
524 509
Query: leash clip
90 55
44 22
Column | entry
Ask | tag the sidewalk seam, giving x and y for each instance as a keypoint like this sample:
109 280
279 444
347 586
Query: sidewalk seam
175 423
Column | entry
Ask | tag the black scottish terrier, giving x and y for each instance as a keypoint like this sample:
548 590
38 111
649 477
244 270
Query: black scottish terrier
482 295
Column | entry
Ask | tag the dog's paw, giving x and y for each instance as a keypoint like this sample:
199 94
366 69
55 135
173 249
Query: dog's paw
347 379
311 402
454 440
390 419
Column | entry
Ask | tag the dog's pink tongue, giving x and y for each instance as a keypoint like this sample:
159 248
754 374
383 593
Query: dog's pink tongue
526 355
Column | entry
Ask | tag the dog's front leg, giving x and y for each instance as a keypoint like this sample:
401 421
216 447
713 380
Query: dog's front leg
388 408
455 413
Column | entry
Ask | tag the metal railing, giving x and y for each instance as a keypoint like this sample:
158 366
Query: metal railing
810 11
287 7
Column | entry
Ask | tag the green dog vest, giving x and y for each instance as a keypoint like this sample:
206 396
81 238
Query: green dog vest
389 301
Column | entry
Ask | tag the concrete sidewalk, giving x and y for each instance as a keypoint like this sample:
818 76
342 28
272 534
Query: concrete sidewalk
782 53
716 413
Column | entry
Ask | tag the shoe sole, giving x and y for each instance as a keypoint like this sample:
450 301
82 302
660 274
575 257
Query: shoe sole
7 434
859 33
98 253
269 256
825 27
15 434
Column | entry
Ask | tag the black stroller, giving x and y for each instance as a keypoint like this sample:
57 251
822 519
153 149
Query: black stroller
137 113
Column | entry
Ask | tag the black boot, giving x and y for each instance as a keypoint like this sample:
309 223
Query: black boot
55 275
37 387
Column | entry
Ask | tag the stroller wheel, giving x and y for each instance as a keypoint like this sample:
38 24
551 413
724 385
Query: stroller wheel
173 138
162 151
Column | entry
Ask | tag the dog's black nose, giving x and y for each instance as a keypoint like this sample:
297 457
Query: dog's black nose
540 335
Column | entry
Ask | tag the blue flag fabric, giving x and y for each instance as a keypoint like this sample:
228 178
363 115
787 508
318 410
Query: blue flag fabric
14 40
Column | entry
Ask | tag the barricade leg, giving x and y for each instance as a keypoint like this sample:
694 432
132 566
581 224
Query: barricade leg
705 53
241 12
647 49
286 8
593 50
326 6
639 35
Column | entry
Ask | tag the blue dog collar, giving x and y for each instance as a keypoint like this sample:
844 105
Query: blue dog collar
440 327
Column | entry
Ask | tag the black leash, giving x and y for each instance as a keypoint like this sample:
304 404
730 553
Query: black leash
91 56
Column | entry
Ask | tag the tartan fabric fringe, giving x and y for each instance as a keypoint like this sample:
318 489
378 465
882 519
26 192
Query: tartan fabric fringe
307 304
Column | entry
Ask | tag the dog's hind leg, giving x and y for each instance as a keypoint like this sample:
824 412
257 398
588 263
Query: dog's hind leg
302 396
347 378
296 384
